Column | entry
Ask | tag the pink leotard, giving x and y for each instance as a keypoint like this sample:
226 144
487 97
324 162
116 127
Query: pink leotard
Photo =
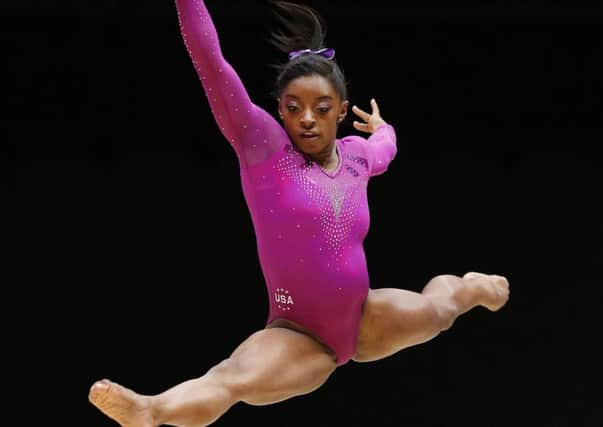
309 223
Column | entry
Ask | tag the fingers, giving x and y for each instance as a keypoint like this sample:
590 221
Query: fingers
363 127
375 107
361 113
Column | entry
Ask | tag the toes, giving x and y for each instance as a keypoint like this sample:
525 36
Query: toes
501 280
99 390
101 385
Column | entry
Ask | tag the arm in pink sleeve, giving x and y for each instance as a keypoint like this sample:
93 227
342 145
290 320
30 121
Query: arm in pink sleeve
381 149
251 131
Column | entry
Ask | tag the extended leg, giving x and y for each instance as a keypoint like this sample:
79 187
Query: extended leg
394 319
270 366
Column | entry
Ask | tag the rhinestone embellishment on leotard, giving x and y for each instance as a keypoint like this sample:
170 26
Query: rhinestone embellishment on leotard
338 197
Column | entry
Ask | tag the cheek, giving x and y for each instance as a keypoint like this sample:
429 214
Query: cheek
288 122
330 123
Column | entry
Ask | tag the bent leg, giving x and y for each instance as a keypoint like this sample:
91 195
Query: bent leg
394 319
270 366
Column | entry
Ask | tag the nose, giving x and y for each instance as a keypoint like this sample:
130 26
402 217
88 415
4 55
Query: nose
307 119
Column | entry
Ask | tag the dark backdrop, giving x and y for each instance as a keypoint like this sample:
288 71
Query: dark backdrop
135 255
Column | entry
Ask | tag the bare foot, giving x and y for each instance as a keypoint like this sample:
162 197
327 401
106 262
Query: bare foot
123 405
495 289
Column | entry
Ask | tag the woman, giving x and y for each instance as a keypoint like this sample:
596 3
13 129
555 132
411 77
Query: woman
306 193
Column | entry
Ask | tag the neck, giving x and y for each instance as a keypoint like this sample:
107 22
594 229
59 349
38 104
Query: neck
327 158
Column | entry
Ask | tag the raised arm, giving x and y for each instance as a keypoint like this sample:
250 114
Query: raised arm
253 133
381 146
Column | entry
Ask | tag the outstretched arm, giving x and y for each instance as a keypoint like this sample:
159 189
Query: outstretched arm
250 130
381 145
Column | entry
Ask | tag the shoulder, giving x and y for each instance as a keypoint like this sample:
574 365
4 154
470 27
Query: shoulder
354 145
353 142
354 148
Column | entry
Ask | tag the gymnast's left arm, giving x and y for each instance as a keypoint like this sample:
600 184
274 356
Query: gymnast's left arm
381 146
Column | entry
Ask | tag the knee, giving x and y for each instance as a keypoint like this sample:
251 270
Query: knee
445 313
441 291
441 310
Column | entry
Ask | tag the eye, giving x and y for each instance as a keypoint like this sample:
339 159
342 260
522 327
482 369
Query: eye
292 108
324 109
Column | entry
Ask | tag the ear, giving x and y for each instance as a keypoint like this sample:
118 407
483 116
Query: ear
278 103
343 111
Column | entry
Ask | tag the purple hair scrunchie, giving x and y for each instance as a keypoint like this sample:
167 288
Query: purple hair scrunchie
326 52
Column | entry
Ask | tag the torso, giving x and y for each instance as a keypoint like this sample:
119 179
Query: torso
310 225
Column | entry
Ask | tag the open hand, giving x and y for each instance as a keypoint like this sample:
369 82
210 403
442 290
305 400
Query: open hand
372 121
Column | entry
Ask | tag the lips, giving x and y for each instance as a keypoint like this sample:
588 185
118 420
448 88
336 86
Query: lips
309 135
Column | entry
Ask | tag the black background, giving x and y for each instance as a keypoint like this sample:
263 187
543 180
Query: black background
135 256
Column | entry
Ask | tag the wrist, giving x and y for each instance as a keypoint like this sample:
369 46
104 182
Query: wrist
379 124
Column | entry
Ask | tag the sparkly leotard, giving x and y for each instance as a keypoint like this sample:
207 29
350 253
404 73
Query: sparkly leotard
309 223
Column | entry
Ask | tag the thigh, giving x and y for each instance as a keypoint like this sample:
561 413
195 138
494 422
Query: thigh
275 364
393 319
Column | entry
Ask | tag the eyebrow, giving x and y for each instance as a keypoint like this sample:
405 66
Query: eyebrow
320 98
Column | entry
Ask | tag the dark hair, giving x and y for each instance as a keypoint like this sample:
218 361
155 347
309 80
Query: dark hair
303 28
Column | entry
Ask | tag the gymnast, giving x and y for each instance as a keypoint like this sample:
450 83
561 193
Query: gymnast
306 191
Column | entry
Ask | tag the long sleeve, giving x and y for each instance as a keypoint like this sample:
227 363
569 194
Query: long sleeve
381 149
252 132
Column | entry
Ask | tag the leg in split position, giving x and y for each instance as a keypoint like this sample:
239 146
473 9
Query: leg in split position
394 319
270 366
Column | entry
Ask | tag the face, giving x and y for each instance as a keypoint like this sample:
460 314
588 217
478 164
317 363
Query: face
311 110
